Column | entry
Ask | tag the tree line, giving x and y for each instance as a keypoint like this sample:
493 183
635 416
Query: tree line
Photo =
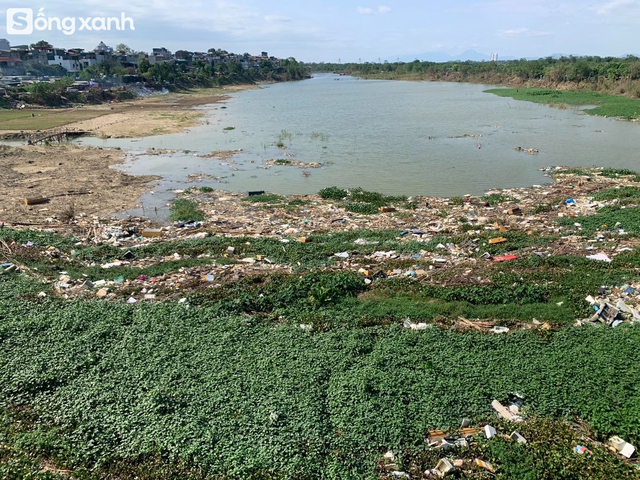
587 70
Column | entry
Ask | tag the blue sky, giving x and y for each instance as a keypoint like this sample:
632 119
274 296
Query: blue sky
349 30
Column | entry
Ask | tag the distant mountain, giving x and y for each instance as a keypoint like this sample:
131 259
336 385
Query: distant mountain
442 57
472 55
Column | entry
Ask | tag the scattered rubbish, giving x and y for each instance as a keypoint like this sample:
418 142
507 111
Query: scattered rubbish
582 450
342 255
485 465
607 313
504 412
622 447
498 329
517 437
530 151
444 467
253 193
152 232
505 258
35 200
387 209
399 474
489 431
514 211
497 240
362 241
476 202
602 257
415 326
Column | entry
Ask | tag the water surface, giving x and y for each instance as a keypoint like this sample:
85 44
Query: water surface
394 137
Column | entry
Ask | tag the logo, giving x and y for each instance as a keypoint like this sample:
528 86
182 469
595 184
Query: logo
19 21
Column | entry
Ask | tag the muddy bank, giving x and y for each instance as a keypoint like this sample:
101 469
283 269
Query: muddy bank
158 115
77 181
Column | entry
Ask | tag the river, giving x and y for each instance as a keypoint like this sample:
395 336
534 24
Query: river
394 137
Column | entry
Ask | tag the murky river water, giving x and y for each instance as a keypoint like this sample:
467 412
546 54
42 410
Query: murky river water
394 137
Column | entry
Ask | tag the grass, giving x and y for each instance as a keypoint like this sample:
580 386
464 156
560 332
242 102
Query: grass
44 118
620 172
361 201
97 385
623 193
497 198
574 171
265 198
603 104
606 219
158 390
183 210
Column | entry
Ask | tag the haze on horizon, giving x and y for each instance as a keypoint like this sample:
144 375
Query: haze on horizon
355 30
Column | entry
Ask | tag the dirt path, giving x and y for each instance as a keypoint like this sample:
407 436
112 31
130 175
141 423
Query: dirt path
76 181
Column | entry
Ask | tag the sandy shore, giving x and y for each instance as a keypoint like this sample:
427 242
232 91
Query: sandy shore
77 181
158 115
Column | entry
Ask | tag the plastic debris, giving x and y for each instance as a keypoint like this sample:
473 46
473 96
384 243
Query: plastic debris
517 437
602 257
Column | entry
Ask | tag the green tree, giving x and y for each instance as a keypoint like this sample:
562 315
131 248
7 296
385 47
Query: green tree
49 94
41 43
121 47
143 66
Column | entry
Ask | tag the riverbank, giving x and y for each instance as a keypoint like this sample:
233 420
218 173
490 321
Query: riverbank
156 115
602 104
128 341
610 100
72 183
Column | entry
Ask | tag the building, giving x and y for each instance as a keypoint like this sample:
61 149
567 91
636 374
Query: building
160 55
60 57
4 44
11 66
103 49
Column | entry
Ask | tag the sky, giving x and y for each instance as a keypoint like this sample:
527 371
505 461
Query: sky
345 30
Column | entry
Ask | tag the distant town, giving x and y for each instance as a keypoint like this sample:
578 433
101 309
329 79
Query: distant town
43 74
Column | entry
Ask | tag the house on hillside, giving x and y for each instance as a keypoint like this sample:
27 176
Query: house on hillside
10 66
160 55
66 60
103 49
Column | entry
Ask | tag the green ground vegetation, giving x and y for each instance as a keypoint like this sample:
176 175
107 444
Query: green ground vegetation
183 210
361 201
43 119
600 103
311 374
156 389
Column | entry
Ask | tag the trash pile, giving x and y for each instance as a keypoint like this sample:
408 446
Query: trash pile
615 305
467 436
457 234
464 437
